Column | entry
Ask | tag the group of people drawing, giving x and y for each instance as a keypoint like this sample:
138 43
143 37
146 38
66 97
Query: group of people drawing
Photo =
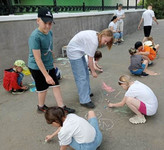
73 130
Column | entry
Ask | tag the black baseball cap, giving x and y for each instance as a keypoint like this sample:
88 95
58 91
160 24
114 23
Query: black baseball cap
138 44
45 14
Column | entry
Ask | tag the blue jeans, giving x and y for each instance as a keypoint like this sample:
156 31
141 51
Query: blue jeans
118 35
20 78
138 71
93 145
81 76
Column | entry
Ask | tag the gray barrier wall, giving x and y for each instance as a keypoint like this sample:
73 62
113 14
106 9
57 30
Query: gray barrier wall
15 31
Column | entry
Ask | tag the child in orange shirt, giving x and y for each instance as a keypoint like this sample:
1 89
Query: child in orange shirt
148 52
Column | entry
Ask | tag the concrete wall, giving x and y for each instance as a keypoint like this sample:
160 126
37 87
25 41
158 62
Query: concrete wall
15 31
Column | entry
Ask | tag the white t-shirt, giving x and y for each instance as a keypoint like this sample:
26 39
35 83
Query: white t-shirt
114 25
143 93
86 58
148 43
147 16
119 14
84 42
77 128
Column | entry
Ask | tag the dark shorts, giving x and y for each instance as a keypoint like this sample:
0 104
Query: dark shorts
147 30
40 81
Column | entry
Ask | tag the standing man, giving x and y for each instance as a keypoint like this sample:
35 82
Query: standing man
148 17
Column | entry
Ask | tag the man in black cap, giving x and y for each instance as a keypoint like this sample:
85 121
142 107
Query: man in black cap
40 60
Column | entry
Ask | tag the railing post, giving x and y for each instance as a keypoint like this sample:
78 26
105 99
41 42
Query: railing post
10 7
142 4
102 5
83 7
55 7
127 4
116 6
136 5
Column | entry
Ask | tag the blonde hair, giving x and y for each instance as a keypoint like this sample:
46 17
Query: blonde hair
150 38
109 33
124 79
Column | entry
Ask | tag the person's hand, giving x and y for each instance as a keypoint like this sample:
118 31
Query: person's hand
101 70
49 80
94 74
138 27
48 137
110 105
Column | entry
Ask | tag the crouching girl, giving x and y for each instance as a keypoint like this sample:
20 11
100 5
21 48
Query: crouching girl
73 130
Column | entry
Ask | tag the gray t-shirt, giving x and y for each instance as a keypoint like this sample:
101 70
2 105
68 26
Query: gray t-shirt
135 62
44 43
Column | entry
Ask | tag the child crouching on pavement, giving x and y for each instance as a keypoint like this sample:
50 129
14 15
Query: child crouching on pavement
97 57
13 77
139 98
138 66
73 130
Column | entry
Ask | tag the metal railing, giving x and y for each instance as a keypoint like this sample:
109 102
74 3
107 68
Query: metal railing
20 9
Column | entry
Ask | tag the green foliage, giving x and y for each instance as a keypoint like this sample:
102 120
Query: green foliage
140 3
158 7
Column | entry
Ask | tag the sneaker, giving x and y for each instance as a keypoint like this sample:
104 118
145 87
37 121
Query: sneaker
89 105
136 119
122 40
42 109
91 95
69 110
115 43
150 63
144 74
20 91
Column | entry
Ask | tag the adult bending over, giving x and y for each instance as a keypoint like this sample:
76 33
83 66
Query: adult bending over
86 42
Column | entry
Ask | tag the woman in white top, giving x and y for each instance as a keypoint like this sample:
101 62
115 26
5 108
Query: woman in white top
116 33
139 98
73 130
120 15
86 43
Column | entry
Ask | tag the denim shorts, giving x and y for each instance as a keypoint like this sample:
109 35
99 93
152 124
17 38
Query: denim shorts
93 145
138 71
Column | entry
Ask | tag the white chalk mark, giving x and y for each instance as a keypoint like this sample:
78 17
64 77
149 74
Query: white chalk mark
106 124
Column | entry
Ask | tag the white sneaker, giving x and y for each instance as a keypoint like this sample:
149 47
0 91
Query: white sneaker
122 40
137 119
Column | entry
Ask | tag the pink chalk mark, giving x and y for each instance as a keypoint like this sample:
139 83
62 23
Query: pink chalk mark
107 88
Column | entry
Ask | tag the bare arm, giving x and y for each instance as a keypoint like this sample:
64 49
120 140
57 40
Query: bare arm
122 17
39 62
64 147
48 137
143 53
91 66
154 18
97 67
111 28
120 104
140 23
